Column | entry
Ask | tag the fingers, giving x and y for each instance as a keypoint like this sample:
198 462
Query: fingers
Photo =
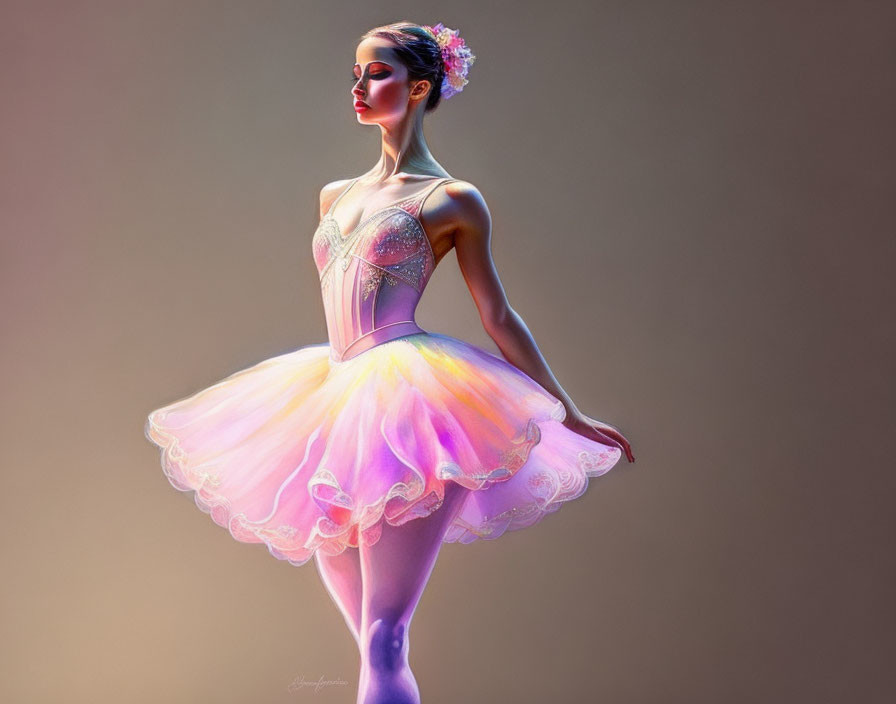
626 447
623 446
605 439
605 434
620 441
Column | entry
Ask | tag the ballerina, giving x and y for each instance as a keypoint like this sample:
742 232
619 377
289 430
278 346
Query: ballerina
370 451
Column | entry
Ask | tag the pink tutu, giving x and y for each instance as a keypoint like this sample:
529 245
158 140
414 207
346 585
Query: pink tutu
301 452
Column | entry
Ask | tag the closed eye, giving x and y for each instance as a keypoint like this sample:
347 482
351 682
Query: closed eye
378 76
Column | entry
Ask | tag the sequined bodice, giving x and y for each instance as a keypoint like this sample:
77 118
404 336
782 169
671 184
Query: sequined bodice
372 278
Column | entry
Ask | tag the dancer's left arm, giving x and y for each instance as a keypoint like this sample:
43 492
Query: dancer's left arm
472 241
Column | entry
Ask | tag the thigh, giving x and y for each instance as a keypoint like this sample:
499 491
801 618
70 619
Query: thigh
341 576
344 567
396 568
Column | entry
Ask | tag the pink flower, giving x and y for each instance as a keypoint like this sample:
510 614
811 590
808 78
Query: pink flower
456 57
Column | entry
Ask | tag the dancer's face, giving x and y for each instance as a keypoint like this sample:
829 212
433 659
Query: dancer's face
381 82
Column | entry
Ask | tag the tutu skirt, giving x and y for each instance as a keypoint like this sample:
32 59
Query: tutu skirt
303 453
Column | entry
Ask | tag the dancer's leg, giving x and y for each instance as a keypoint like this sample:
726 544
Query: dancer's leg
341 575
395 571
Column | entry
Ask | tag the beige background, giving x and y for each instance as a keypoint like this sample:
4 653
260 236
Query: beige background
693 211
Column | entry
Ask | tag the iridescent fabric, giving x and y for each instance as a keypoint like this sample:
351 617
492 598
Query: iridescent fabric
314 449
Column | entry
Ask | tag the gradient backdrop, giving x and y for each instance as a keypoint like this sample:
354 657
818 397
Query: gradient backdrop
693 208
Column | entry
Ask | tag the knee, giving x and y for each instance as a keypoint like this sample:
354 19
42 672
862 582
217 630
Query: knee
386 644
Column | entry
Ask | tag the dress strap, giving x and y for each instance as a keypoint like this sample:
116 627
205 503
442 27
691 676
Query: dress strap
416 201
412 203
339 197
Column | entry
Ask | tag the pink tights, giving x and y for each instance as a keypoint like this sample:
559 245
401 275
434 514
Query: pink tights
377 589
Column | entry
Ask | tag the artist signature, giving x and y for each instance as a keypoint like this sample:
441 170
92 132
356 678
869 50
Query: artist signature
318 684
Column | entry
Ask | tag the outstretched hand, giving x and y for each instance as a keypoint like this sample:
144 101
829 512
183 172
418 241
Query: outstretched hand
603 433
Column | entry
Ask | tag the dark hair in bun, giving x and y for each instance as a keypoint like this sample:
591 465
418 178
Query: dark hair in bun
419 52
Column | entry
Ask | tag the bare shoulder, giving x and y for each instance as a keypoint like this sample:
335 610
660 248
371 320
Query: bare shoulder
464 195
466 207
330 192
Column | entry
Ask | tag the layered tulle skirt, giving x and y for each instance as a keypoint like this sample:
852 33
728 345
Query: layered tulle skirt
303 453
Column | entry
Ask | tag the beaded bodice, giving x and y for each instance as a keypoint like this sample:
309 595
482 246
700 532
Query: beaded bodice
372 278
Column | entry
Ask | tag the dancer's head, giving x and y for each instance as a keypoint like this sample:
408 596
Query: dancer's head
405 67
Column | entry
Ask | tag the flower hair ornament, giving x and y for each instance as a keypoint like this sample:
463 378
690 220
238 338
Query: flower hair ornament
456 58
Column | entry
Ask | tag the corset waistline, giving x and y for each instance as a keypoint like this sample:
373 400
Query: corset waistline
384 333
